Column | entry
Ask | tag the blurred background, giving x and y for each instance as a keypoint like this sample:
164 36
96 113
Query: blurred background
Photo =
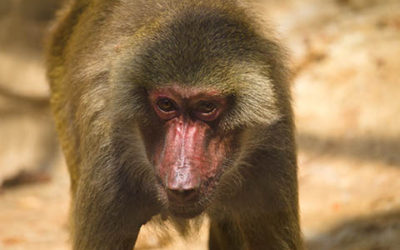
345 55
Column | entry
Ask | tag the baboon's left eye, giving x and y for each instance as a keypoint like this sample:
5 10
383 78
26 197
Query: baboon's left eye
206 107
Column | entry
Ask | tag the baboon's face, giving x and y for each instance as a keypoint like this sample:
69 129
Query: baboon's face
190 152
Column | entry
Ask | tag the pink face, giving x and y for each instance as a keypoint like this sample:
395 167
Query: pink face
191 154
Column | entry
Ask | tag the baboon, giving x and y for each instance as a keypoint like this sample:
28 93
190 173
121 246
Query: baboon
174 108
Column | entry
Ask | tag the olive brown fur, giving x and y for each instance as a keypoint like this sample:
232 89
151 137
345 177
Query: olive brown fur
105 57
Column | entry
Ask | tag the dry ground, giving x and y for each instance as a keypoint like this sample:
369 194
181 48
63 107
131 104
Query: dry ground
346 60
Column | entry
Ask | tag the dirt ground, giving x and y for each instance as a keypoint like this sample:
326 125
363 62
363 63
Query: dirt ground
346 86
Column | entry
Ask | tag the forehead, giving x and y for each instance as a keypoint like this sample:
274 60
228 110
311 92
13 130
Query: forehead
196 46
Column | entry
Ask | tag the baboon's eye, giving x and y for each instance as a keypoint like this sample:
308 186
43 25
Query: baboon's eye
206 107
207 110
166 105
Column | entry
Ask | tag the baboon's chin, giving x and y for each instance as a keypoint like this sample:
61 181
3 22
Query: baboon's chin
186 211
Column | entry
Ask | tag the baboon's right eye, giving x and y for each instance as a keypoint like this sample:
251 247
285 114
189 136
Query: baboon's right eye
166 105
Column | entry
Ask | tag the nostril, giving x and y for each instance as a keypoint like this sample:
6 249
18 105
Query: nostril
182 195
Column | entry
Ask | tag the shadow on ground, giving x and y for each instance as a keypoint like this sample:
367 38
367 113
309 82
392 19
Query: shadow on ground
374 232
362 148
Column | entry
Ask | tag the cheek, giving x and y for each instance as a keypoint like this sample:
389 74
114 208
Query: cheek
152 137
215 153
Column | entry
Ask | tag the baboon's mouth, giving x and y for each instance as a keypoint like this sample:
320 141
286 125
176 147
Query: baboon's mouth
187 205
